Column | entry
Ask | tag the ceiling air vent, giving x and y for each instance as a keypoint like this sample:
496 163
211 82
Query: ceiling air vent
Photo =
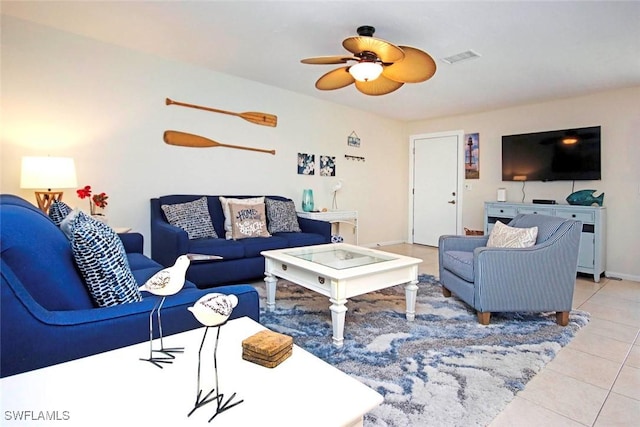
463 56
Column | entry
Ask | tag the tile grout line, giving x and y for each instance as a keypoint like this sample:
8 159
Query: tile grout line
624 361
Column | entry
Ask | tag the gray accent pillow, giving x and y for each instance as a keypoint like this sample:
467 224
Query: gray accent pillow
102 261
282 216
192 217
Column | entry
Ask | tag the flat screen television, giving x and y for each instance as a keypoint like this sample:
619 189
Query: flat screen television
559 155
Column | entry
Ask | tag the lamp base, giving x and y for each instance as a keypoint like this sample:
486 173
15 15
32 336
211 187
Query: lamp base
46 198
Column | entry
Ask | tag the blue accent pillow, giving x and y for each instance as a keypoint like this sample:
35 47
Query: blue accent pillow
102 261
58 211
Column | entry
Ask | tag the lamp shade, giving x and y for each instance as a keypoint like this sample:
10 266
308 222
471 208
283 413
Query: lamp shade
48 172
365 71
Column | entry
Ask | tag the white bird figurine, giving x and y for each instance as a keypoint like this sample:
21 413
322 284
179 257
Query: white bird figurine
213 310
335 190
168 281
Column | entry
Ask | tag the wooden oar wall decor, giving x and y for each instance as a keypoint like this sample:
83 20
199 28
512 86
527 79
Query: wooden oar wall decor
183 139
263 119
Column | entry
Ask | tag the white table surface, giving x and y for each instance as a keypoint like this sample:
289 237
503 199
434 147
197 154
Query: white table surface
116 388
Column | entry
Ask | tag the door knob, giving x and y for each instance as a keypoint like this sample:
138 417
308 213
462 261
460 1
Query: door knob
453 202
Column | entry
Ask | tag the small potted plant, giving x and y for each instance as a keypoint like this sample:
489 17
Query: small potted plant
96 201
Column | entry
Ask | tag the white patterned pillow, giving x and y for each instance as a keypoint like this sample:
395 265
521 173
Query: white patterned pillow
282 216
192 217
58 211
224 201
248 220
102 261
504 236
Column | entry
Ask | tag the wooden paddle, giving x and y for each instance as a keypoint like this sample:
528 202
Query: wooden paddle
263 119
183 139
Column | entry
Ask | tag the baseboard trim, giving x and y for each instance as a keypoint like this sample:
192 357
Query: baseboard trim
380 244
616 275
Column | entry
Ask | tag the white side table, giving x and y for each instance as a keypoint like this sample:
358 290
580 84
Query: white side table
335 217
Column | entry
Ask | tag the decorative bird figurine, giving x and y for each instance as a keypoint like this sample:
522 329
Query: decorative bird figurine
335 190
168 281
213 310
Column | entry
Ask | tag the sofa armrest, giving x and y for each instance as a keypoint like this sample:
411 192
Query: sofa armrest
316 226
132 242
168 243
461 243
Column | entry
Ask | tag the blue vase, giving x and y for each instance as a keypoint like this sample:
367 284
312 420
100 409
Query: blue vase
307 200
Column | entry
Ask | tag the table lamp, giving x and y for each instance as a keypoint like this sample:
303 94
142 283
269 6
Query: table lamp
48 172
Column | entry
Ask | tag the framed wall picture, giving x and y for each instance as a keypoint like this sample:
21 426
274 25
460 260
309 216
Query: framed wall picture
353 140
306 164
327 166
472 156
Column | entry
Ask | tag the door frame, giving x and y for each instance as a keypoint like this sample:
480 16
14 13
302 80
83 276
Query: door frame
460 175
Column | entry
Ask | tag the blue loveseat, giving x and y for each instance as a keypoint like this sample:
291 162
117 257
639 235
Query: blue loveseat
241 258
47 314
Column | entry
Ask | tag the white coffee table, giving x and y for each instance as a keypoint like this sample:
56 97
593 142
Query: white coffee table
115 388
341 271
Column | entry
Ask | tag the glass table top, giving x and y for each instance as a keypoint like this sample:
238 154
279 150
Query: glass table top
340 258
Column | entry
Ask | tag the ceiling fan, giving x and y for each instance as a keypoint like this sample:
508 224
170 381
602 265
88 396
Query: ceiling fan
381 67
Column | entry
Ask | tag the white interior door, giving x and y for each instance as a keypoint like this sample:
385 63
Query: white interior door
436 186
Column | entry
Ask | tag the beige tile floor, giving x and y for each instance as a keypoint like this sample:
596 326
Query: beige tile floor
595 379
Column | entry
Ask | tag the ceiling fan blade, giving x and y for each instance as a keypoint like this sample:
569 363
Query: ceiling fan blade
335 79
417 66
324 60
379 86
384 50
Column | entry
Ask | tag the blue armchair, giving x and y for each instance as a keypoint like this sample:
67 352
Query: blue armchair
539 278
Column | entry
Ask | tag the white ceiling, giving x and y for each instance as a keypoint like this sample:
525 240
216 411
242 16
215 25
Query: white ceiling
530 51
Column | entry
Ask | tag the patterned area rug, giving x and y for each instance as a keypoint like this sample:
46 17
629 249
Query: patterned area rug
443 369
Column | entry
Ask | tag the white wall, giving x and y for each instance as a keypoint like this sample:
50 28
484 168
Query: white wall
618 112
66 95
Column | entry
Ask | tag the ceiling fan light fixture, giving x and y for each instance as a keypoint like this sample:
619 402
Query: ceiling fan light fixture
365 71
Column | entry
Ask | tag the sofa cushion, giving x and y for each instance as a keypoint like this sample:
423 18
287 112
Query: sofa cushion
254 245
224 202
58 211
460 263
102 261
193 217
281 216
227 249
302 239
503 236
248 220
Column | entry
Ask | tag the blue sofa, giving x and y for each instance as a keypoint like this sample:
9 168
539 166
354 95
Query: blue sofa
241 258
47 314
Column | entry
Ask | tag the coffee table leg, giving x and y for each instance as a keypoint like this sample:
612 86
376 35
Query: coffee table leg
411 293
270 283
338 310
